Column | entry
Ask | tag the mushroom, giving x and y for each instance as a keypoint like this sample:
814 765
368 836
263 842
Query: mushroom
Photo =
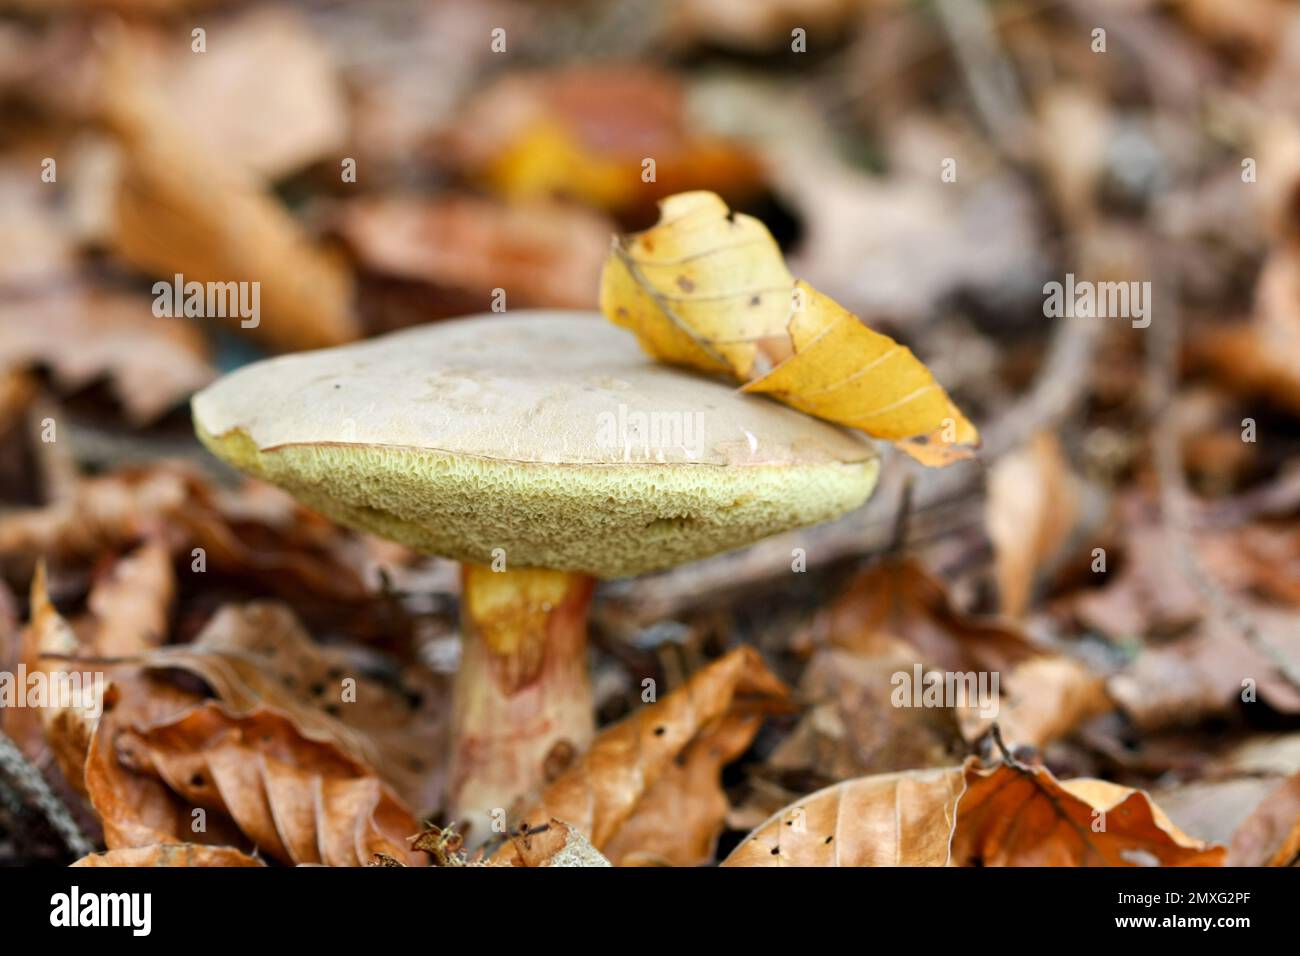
542 450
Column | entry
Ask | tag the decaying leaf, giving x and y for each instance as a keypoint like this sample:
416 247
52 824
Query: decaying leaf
613 783
1015 816
542 254
68 724
267 96
852 728
1270 836
1031 509
708 288
678 820
554 843
893 819
297 800
132 602
153 363
255 530
182 210
258 656
1005 815
170 854
900 603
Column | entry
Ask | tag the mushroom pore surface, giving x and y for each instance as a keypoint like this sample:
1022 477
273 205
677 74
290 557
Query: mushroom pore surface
549 435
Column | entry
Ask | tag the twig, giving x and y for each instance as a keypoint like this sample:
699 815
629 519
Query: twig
992 83
28 779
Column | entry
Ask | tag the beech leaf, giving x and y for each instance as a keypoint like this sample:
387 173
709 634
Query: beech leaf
708 288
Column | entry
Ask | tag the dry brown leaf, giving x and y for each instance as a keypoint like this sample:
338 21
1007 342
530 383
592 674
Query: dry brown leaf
1000 816
542 254
899 613
554 843
1031 509
132 602
1258 357
605 788
678 820
1014 816
853 730
708 288
1270 836
254 531
158 753
569 133
298 800
1213 670
170 854
267 95
1043 700
900 603
893 819
182 209
153 363
258 656
67 725
1213 797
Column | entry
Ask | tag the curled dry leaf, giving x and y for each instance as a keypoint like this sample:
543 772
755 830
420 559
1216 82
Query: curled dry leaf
298 800
615 781
1000 816
67 725
1032 505
898 611
182 210
258 655
253 531
899 603
171 854
1023 816
554 843
707 288
132 602
678 820
158 754
1043 700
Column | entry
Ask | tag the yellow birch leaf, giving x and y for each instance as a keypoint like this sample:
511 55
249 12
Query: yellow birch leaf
708 288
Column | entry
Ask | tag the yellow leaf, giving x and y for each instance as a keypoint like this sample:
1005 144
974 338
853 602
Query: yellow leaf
708 288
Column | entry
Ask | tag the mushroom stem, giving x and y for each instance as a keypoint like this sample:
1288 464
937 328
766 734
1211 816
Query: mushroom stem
522 695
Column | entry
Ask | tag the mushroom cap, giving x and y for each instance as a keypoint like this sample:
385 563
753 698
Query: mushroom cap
546 434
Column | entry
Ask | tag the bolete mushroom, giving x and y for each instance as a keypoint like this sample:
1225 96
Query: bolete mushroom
542 450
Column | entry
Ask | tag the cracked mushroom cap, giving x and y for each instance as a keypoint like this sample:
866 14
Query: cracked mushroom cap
547 434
